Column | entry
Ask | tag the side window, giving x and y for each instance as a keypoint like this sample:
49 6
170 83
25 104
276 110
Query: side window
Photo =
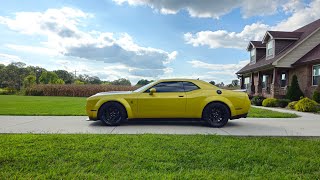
168 87
189 86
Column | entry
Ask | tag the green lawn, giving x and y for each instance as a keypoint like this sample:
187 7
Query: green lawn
157 157
41 105
59 106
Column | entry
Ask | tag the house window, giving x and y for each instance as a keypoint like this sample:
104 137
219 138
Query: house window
270 48
253 56
316 75
246 82
283 81
265 81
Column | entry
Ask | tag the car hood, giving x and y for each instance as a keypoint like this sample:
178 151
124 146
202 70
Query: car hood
112 93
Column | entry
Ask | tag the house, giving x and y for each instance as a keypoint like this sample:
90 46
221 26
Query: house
279 56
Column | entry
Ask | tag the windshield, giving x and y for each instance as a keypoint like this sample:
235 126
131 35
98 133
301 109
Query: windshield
143 87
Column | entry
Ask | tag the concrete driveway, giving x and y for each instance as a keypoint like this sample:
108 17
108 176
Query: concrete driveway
307 125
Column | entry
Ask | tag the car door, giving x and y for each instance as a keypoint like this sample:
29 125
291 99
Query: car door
168 101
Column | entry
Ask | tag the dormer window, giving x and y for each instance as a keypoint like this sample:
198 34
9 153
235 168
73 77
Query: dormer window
253 56
270 49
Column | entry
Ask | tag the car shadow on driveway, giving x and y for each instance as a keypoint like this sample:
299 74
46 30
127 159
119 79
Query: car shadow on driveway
166 122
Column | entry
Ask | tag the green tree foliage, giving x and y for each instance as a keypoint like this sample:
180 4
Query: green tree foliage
94 80
59 81
143 82
212 82
48 77
29 80
122 81
78 82
67 77
294 92
235 82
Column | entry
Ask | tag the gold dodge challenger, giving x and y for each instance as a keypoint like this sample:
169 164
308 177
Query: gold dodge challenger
170 98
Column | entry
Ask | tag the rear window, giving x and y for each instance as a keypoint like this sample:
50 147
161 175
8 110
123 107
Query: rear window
189 86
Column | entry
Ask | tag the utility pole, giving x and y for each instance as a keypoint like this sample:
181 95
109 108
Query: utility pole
75 74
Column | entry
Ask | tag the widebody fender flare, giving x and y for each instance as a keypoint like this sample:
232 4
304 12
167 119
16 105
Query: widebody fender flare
220 99
122 101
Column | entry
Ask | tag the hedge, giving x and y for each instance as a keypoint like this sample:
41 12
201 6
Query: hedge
73 90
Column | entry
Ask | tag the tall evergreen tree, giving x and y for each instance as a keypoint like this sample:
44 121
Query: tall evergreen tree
294 92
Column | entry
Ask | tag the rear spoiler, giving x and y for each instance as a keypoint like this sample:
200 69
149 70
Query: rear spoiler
240 90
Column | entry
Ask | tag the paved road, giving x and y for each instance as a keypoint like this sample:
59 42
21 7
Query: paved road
307 125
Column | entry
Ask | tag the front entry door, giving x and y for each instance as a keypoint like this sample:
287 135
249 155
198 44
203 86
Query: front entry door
169 101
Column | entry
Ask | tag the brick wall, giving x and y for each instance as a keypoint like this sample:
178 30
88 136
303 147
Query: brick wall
304 74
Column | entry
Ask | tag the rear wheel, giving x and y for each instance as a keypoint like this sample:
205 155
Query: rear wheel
216 114
112 113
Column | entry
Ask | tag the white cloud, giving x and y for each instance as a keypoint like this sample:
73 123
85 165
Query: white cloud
8 58
209 8
225 39
219 72
301 15
62 27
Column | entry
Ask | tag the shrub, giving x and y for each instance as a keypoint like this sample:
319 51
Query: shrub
292 104
73 90
270 102
283 102
306 105
8 91
294 92
257 100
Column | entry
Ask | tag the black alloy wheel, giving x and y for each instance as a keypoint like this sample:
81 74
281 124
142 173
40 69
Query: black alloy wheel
216 114
112 113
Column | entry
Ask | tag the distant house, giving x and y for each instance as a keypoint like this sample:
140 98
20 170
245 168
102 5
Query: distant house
279 56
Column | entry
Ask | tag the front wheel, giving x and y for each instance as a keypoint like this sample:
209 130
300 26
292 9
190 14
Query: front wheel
112 114
216 114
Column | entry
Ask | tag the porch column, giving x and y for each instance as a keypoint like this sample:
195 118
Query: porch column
259 90
241 82
253 91
274 89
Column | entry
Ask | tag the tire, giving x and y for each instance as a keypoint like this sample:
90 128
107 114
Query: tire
216 114
112 114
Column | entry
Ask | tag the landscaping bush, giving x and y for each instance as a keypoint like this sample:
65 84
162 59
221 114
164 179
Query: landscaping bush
270 102
283 102
257 100
292 104
73 90
306 105
294 92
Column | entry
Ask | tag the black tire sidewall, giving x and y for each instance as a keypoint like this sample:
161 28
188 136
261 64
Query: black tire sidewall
106 106
206 113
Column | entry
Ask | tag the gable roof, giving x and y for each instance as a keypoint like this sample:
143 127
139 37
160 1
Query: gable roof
281 35
255 44
312 55
262 63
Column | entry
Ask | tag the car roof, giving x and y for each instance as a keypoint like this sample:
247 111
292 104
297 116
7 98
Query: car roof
202 84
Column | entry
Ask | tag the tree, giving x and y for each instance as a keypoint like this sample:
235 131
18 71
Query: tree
59 81
94 80
29 80
78 82
235 82
121 81
48 77
65 76
294 92
143 82
212 82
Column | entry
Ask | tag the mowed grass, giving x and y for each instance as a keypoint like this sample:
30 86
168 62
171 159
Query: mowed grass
264 113
42 105
157 157
75 106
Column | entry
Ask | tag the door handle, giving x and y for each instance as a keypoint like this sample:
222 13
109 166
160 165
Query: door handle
181 96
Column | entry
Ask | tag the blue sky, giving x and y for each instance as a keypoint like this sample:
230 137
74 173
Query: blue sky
144 39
